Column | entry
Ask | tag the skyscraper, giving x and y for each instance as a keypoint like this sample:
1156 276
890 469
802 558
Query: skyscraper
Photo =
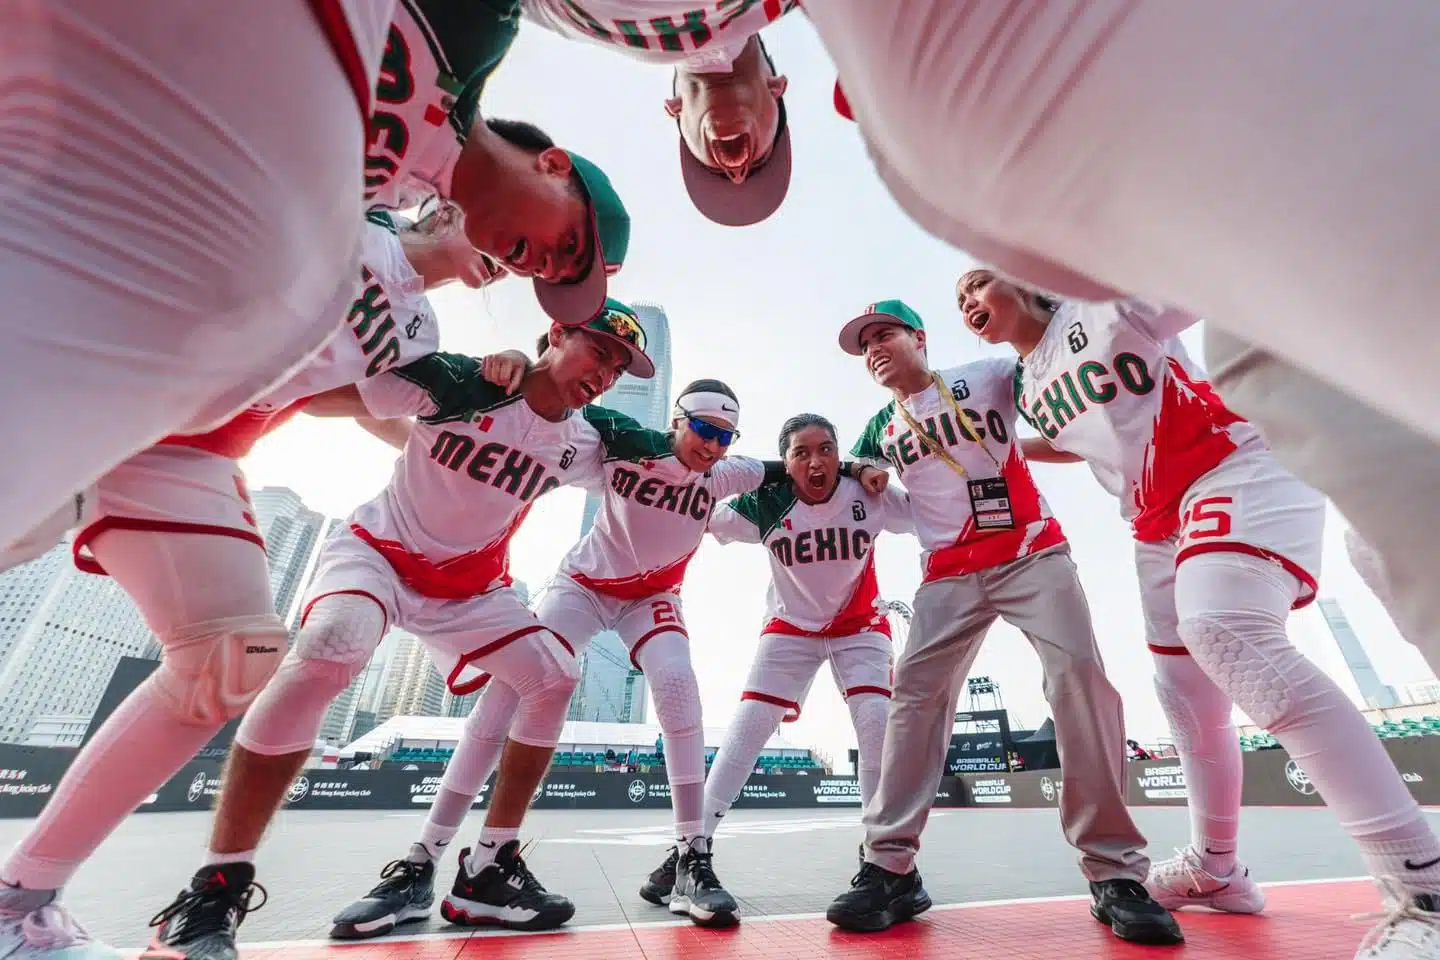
610 688
460 706
1375 691
412 686
292 533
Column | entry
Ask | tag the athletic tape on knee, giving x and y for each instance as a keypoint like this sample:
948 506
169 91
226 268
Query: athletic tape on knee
211 672
677 707
543 687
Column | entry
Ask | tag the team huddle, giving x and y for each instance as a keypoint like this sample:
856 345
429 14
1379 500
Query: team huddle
298 178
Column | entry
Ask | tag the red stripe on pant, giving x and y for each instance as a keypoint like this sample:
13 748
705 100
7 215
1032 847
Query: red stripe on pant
791 707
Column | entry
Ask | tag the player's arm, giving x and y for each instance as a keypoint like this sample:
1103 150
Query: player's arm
731 523
507 369
394 432
1156 321
1038 450
867 451
898 515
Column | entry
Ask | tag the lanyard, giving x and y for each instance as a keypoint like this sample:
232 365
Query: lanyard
962 422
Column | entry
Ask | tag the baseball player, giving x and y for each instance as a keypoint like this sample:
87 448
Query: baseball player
180 230
174 526
624 575
992 549
1227 543
430 554
726 98
823 605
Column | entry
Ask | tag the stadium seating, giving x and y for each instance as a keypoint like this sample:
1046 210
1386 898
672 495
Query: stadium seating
595 758
1385 730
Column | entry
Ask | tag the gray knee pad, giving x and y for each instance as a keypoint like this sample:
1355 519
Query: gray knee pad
1248 660
212 671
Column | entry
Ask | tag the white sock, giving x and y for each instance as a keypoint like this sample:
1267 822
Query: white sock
754 723
137 749
213 859
491 840
446 815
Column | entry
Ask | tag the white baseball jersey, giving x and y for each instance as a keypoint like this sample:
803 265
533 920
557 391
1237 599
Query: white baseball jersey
822 562
705 34
438 56
474 464
1111 383
960 524
652 518
389 324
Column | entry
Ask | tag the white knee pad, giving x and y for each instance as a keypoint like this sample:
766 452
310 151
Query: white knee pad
676 693
212 671
543 683
1251 659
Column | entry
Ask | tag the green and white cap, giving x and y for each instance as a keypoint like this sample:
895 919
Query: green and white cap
616 321
894 312
579 301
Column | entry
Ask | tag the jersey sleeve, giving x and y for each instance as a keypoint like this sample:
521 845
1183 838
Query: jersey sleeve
1160 323
624 438
439 388
739 475
868 449
728 524
896 504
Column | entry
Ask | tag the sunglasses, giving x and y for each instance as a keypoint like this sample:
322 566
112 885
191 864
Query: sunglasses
706 430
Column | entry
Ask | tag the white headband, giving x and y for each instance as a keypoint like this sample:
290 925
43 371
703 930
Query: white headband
703 403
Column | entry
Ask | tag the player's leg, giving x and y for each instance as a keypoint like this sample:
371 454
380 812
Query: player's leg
654 632
974 112
179 227
950 621
1232 608
863 666
1206 872
207 598
406 890
353 601
781 673
1350 453
1041 596
497 635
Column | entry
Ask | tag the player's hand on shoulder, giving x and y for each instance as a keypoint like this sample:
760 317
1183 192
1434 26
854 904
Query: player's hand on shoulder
872 479
506 369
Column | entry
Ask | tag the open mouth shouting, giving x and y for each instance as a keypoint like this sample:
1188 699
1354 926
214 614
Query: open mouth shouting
816 481
978 319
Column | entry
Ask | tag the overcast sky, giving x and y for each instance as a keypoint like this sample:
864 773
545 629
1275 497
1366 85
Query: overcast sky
759 308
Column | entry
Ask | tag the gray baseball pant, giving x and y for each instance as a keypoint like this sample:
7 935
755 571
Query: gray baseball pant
1381 474
1041 596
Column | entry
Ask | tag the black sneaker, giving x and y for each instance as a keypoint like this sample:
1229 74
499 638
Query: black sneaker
405 893
1132 914
878 899
201 922
698 893
661 885
504 893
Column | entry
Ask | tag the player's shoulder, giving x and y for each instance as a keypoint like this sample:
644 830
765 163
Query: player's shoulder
624 437
456 385
881 417
765 506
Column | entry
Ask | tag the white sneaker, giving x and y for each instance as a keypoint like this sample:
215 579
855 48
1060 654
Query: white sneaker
34 927
1182 882
1409 927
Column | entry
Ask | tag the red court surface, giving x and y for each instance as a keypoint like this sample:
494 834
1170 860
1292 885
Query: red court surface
1305 921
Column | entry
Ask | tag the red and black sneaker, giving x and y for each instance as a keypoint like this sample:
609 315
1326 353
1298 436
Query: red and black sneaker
200 923
503 893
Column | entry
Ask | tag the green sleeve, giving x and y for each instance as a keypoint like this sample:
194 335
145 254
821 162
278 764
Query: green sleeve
868 447
623 437
455 385
766 506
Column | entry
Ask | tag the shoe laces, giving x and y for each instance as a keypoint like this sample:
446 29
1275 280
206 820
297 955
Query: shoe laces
869 875
1186 863
51 927
214 908
702 870
398 876
1127 889
1402 921
517 867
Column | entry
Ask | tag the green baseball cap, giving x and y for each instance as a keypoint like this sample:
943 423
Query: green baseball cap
894 312
580 301
616 321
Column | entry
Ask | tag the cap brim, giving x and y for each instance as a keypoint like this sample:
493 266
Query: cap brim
850 333
640 366
742 204
577 303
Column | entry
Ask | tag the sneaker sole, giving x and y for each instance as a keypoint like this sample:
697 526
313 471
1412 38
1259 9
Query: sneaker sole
366 929
713 919
876 922
467 913
1236 905
1147 933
